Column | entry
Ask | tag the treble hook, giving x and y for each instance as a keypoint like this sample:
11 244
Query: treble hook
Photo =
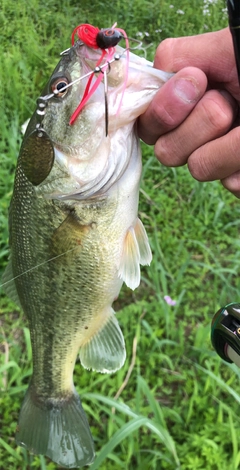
105 72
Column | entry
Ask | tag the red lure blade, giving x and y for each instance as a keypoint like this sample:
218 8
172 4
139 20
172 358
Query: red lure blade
106 40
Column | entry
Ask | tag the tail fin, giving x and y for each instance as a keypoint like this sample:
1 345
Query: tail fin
56 428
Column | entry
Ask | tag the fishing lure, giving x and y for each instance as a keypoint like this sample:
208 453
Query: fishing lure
106 40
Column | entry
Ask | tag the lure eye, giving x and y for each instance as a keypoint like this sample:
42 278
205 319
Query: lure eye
108 38
110 32
59 84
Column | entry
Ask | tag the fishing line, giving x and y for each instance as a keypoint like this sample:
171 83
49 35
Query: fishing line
38 265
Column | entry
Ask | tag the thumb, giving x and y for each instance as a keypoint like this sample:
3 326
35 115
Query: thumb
172 104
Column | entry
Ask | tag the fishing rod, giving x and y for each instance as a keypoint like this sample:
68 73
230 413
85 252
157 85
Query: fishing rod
233 7
225 329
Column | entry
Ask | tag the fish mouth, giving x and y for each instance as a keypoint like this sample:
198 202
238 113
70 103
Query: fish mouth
90 58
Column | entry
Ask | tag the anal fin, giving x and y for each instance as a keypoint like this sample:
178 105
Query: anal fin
104 349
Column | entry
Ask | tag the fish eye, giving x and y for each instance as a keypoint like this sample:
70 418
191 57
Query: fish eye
59 84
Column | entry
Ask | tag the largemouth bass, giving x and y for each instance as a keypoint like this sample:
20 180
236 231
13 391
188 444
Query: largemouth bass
75 237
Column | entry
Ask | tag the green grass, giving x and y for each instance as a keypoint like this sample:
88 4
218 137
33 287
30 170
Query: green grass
179 407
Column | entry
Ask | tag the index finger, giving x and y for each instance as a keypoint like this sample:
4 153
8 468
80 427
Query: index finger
210 52
172 104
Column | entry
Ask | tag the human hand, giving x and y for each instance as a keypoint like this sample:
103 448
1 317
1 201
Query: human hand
193 117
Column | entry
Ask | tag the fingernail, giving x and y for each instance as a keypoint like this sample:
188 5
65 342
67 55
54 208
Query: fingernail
186 89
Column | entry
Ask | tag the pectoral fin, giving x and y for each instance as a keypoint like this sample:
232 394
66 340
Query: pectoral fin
143 243
69 236
136 251
104 347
